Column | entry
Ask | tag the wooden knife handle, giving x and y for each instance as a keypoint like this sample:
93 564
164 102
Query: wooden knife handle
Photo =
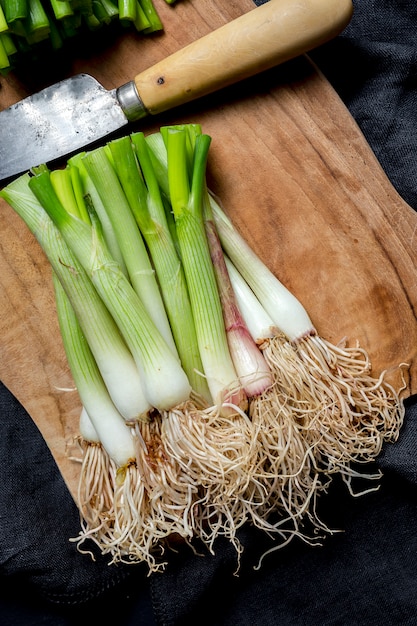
256 41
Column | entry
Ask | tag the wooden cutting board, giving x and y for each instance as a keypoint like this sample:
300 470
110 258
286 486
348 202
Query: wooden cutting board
294 172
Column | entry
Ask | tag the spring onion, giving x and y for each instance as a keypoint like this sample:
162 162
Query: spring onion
111 455
246 412
132 246
251 367
110 426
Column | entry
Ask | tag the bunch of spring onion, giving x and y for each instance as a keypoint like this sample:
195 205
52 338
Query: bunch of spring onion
29 27
243 413
207 446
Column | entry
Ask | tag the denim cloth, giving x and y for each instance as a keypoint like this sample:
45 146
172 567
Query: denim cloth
365 574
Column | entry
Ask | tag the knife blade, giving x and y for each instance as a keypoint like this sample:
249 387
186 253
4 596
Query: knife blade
77 112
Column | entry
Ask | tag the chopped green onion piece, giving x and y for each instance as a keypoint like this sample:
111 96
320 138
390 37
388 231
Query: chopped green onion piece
37 22
141 21
61 8
3 22
105 11
8 44
4 58
127 9
152 17
15 10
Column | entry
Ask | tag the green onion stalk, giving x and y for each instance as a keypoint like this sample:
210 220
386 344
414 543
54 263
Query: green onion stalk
345 412
4 57
142 192
140 271
109 475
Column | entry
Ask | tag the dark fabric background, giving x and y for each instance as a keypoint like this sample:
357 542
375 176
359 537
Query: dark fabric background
364 575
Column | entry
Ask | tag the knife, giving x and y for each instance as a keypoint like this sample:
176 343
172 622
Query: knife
78 111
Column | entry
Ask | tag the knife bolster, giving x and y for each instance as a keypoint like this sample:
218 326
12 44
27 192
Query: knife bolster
130 101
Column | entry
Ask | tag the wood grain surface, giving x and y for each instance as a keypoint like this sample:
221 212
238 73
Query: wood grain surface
294 172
